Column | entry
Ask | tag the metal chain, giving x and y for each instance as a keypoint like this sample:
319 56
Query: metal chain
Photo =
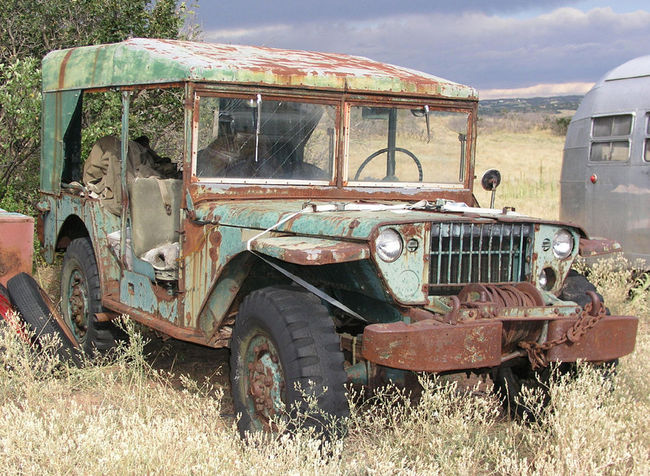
593 312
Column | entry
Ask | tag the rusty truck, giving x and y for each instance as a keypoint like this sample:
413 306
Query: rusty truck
311 211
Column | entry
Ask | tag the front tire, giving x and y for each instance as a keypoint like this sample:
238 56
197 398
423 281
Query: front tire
285 353
81 299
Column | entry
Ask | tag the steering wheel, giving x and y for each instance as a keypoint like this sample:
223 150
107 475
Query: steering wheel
385 149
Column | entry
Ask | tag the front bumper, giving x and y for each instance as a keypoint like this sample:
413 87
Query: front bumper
433 346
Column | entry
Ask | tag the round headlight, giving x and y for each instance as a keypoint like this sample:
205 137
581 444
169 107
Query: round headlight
389 245
562 244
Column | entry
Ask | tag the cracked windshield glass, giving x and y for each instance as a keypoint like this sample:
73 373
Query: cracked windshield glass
400 145
267 140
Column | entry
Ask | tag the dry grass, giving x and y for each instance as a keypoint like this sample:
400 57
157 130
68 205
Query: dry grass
530 163
125 417
128 416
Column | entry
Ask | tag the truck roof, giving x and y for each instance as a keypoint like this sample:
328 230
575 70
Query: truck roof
152 61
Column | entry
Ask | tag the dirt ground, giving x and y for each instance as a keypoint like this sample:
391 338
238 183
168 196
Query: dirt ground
204 365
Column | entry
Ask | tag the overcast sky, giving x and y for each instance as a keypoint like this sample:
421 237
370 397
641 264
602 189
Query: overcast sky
504 48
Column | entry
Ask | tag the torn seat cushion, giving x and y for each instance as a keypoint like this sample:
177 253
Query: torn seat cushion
101 173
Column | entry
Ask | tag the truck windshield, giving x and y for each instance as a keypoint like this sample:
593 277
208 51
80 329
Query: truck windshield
406 145
258 139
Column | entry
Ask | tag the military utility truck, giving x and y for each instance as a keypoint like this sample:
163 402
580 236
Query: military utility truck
311 211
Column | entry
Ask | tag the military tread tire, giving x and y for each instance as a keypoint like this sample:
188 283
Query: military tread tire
303 340
81 299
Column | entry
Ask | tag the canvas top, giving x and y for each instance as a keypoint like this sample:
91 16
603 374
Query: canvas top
151 61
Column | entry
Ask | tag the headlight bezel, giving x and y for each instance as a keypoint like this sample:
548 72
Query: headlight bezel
389 237
563 244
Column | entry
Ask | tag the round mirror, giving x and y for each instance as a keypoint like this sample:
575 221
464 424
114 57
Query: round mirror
491 179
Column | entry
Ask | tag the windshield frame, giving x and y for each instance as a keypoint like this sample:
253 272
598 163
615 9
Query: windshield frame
339 187
266 96
429 105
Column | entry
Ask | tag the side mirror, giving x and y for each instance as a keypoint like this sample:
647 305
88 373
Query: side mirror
490 181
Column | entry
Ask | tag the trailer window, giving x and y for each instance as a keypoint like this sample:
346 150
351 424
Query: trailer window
646 153
611 138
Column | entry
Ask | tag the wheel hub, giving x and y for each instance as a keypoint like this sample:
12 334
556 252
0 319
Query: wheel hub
266 388
78 303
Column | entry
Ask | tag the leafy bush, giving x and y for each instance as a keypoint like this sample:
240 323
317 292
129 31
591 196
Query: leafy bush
32 29
560 125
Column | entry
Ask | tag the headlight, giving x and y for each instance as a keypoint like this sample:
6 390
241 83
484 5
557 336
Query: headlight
389 245
546 279
562 244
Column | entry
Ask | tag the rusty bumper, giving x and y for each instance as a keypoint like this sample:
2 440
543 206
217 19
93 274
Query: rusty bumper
612 337
431 346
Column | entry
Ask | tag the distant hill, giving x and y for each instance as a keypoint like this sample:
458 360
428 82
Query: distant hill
551 105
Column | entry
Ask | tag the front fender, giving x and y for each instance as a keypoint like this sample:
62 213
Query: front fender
598 247
310 250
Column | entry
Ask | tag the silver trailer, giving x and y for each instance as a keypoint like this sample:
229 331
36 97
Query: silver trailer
605 185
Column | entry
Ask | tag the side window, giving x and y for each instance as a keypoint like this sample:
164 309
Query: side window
610 138
155 146
646 153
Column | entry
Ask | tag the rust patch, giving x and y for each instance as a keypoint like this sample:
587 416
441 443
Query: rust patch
311 251
64 63
166 327
10 263
612 337
429 346
194 237
202 193
215 242
162 294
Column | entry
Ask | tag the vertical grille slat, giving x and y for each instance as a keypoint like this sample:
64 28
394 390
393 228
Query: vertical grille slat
464 253
510 255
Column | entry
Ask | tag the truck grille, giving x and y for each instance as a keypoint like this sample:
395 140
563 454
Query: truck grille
464 253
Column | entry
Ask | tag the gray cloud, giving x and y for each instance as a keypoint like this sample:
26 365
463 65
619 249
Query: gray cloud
476 48
246 13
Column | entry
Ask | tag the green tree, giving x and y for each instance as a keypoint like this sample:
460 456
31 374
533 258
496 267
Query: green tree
32 28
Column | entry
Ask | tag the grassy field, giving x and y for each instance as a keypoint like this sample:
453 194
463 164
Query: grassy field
164 407
530 163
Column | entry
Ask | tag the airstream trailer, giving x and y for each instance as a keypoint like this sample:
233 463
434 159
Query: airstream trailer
605 184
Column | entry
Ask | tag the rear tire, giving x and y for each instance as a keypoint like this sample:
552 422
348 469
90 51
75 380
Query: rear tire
81 299
284 352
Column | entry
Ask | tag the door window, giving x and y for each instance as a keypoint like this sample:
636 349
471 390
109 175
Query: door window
646 152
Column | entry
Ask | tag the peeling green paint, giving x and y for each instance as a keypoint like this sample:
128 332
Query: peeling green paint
150 61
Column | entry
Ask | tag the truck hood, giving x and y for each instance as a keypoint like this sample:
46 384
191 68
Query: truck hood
353 220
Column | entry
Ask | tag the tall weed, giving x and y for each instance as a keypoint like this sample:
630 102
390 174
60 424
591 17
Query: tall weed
121 416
